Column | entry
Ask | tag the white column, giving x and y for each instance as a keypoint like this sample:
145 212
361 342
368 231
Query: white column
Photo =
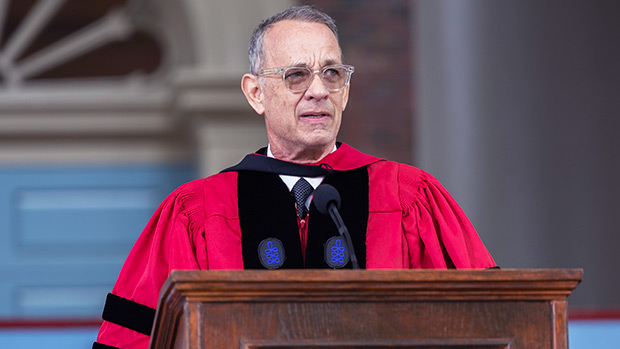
225 126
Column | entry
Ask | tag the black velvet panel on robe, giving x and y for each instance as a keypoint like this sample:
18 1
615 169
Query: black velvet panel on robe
267 210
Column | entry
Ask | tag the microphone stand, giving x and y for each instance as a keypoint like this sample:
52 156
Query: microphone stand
342 229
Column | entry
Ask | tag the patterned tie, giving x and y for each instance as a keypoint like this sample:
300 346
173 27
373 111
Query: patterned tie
301 191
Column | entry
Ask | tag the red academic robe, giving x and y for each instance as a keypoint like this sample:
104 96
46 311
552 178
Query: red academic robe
413 222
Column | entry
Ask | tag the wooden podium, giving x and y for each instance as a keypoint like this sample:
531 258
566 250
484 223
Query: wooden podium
365 309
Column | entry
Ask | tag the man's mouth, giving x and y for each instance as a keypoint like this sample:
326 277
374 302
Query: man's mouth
314 115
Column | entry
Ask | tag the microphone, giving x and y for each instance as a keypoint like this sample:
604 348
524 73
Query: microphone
327 200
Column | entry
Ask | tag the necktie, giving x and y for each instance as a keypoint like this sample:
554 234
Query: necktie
301 191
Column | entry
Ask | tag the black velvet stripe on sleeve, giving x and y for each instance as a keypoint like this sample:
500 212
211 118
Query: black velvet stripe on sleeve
98 345
128 314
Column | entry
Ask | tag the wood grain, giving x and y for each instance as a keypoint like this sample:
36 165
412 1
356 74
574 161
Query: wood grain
365 309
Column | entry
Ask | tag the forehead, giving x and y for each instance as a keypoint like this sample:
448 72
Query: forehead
296 42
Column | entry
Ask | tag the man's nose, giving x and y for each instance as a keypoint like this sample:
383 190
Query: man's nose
317 88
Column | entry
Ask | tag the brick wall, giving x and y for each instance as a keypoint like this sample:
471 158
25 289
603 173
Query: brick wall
376 38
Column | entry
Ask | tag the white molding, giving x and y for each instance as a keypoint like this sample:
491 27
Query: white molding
204 91
85 152
88 123
88 98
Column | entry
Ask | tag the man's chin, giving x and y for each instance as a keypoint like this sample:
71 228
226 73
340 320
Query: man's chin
319 141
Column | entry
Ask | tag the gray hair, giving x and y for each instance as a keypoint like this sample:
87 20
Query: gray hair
297 13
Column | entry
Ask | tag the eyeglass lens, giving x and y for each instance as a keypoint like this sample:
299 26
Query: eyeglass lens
299 79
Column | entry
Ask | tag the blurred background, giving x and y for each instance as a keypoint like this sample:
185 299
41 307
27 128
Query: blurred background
108 105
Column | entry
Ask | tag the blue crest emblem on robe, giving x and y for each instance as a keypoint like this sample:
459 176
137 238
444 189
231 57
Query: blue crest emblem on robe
336 252
271 253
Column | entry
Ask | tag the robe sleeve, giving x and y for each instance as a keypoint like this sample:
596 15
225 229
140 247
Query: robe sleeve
172 239
438 233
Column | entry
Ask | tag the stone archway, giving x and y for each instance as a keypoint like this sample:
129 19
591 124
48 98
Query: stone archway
188 106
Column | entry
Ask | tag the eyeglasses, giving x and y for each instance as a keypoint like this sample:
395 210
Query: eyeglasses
298 79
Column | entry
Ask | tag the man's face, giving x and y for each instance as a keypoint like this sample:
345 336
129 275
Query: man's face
306 121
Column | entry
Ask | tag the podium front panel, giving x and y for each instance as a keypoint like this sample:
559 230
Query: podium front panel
365 309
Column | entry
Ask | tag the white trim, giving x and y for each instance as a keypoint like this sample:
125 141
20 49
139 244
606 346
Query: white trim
84 152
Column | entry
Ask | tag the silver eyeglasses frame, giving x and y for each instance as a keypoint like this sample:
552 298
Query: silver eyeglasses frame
348 69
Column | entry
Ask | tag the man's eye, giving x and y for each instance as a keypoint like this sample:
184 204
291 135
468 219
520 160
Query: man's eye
332 72
296 74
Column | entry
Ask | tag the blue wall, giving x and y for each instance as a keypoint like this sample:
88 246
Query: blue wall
65 232
582 335
599 334
69 338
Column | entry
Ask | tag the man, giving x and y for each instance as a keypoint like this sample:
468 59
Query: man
246 216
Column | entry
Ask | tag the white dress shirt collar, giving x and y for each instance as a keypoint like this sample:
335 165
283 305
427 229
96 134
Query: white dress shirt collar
291 180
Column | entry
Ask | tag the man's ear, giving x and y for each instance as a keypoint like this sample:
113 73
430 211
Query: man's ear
345 97
253 92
